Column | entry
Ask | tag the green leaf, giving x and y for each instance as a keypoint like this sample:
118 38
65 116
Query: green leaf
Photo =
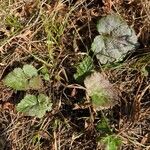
23 79
111 142
35 106
46 77
103 126
116 39
35 83
16 80
30 71
27 103
44 70
45 73
101 91
84 68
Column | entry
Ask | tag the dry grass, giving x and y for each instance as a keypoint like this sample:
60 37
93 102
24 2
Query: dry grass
134 90
57 34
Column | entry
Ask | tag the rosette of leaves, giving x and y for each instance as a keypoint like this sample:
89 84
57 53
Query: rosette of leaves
116 39
101 91
24 79
32 105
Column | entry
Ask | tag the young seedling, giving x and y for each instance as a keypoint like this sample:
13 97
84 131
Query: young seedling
25 79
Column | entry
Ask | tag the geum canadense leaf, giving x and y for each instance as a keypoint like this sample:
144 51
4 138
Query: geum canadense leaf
16 79
35 106
23 79
30 71
101 91
84 68
116 39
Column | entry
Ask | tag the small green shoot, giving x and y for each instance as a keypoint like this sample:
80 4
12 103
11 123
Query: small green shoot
145 70
45 73
111 142
107 138
115 65
23 79
84 68
54 29
36 139
103 126
35 106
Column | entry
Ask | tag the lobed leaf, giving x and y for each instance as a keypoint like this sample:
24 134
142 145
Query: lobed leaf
35 106
84 68
116 39
23 79
16 79
30 71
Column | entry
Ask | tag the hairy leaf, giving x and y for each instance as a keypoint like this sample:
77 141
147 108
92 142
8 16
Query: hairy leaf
24 79
30 71
35 106
116 39
84 68
101 91
35 83
16 79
